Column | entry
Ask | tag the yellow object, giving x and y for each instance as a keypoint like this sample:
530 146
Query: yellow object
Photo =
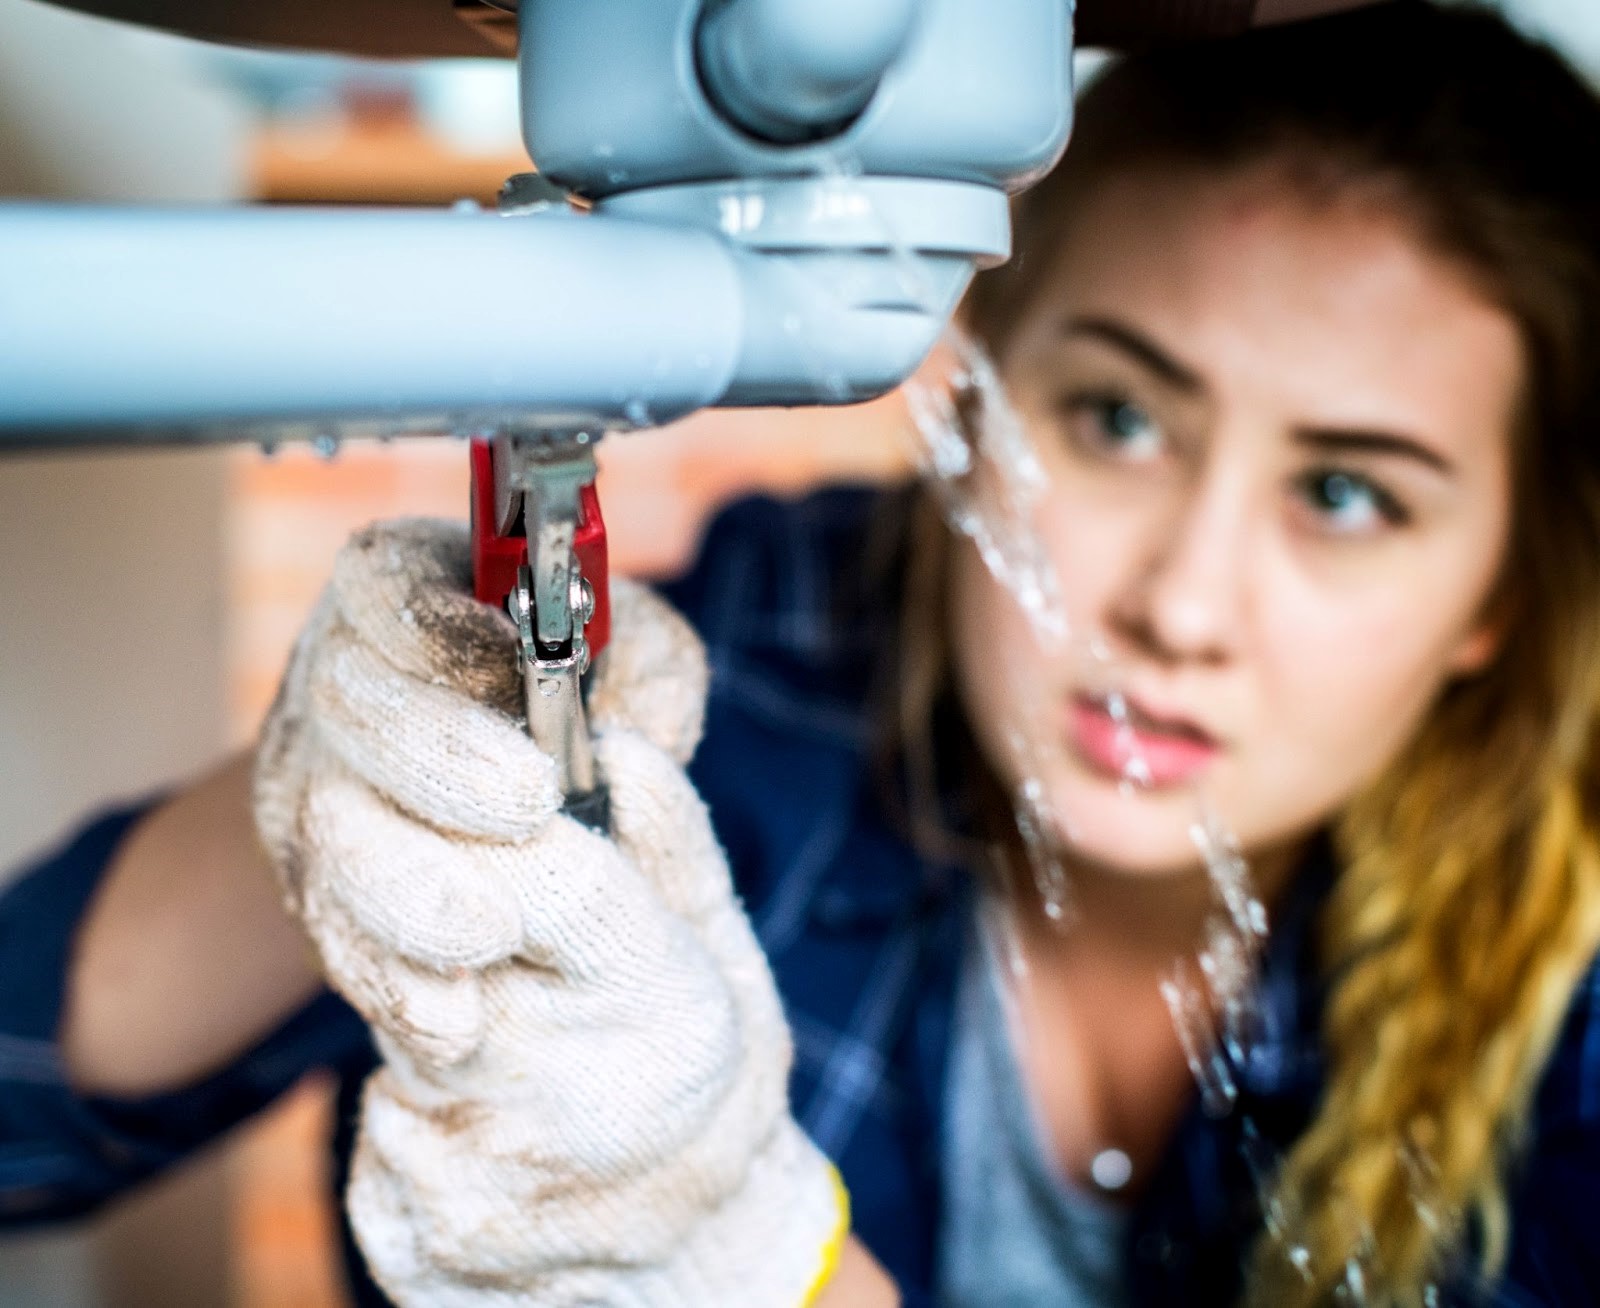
834 1249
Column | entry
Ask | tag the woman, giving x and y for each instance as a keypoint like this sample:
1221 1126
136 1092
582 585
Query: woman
1303 332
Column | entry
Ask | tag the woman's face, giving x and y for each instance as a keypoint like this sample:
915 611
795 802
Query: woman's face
1279 442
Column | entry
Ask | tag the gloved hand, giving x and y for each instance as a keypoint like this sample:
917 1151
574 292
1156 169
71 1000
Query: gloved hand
583 1093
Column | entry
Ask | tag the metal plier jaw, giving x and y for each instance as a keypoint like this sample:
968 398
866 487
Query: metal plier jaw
539 551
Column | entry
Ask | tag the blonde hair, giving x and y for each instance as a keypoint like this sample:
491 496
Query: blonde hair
1467 907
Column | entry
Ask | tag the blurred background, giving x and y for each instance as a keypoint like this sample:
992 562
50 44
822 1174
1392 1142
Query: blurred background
148 599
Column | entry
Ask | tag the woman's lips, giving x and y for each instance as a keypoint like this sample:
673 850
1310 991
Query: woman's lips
1141 747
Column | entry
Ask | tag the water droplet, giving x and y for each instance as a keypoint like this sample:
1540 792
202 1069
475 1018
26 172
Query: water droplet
1111 1169
326 444
836 386
989 481
1191 1016
1358 1275
269 449
637 412
1353 1289
1425 1186
999 929
466 205
1040 844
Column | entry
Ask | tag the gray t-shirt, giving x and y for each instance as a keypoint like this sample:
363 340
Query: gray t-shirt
1016 1233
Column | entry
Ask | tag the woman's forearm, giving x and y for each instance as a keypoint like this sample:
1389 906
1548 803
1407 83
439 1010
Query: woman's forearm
186 957
860 1282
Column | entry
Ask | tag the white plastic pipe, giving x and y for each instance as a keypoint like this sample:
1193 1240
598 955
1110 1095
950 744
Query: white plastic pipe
179 317
788 69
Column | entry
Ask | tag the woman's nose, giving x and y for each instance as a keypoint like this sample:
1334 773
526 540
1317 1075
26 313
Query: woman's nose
1182 601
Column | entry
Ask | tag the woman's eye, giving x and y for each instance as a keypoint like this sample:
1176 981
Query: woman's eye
1349 503
1110 424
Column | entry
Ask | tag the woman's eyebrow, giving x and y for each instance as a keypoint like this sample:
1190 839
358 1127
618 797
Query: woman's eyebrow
1133 342
1355 441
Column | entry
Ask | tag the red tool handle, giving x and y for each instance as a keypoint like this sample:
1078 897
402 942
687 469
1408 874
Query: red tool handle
496 558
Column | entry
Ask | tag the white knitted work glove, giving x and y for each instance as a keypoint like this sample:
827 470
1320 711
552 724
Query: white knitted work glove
583 1095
